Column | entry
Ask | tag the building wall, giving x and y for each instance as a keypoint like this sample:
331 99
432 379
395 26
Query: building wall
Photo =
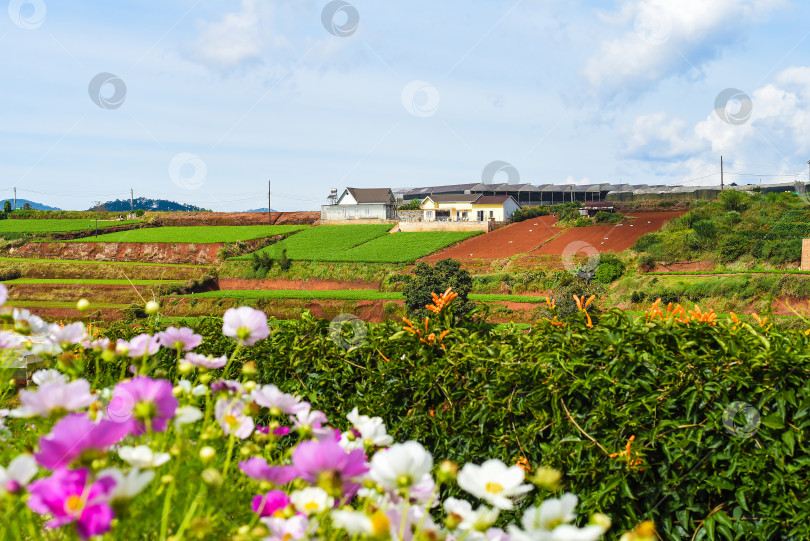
500 213
806 254
443 226
357 212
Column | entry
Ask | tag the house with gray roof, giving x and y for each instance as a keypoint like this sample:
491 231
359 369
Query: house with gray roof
362 204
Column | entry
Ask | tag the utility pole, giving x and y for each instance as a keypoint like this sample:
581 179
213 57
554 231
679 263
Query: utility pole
721 173
131 200
269 212
15 198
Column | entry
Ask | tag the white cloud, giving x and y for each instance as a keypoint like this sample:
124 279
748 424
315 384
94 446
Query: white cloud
664 38
655 137
236 38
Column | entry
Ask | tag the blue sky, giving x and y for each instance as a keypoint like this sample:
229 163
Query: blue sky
219 97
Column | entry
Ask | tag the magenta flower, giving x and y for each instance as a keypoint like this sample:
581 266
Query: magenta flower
311 459
227 385
272 398
143 344
180 339
273 501
313 421
143 399
257 468
245 324
67 497
206 361
73 435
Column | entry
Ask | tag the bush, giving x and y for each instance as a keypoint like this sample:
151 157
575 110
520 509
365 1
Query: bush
609 270
604 217
705 230
428 280
647 262
734 200
140 212
647 240
527 213
732 247
10 274
284 263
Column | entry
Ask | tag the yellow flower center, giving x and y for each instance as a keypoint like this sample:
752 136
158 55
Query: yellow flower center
231 420
74 504
311 506
380 524
494 488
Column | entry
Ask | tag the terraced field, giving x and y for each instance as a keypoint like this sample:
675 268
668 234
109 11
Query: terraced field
196 234
57 225
348 294
362 243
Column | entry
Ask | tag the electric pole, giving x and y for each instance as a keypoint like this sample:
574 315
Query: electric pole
131 200
269 212
15 198
721 173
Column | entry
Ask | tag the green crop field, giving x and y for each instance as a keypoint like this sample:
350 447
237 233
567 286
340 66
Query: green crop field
22 260
90 282
362 243
196 234
346 295
56 226
324 242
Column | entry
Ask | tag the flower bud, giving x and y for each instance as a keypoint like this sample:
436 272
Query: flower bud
448 471
185 367
249 368
152 307
547 478
212 477
83 305
601 520
452 521
249 385
205 378
174 450
167 479
107 355
207 453
177 391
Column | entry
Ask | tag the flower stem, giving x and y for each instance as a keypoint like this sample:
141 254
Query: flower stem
230 361
231 441
190 513
164 519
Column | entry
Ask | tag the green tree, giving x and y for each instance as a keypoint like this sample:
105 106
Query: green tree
7 206
427 280
27 206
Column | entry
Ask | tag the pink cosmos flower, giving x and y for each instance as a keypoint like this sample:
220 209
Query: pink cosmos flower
206 361
3 294
140 399
231 416
227 385
69 496
257 468
143 344
311 459
9 340
271 397
245 324
98 344
289 528
67 335
313 420
180 339
273 501
53 396
75 434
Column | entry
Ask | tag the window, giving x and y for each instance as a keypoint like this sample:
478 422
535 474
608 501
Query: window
491 214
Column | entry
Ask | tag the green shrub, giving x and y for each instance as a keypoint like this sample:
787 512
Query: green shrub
647 262
646 241
428 280
139 213
284 263
526 213
603 217
733 246
734 200
10 274
609 270
705 230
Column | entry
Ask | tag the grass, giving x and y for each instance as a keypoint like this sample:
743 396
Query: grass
94 262
345 294
60 304
362 244
90 282
56 225
721 272
196 234
324 242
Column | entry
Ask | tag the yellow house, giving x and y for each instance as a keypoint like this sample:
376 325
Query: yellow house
468 208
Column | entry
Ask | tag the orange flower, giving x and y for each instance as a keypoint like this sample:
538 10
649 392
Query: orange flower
628 454
523 464
441 301
582 304
550 303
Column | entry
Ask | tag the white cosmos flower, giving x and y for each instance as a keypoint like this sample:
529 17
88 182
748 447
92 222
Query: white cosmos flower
44 377
49 397
401 465
494 482
271 397
186 415
371 429
18 474
353 522
142 457
128 485
36 325
311 500
480 519
551 521
67 335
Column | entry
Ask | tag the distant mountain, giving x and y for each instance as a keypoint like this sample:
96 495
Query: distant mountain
260 210
123 205
34 205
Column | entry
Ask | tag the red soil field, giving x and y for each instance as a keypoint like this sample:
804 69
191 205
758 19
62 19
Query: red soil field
306 285
610 238
511 240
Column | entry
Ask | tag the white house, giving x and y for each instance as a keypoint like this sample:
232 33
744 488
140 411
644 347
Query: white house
468 207
362 204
